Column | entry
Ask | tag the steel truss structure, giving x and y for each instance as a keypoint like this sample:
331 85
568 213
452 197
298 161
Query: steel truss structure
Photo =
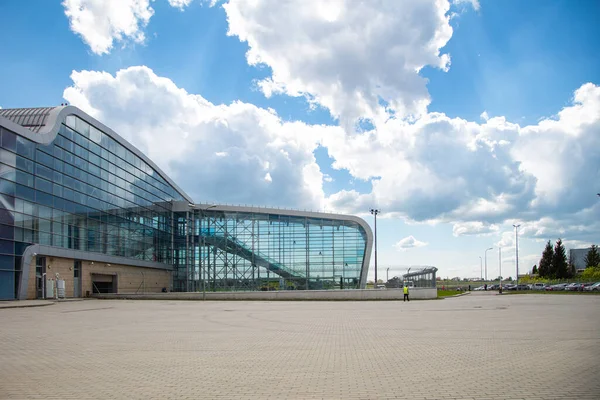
229 248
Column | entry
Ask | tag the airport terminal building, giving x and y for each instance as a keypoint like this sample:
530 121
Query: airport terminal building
83 211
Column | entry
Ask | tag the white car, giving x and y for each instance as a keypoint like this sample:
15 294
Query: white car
538 286
592 288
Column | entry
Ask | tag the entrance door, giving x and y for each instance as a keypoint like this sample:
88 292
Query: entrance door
40 277
103 283
77 279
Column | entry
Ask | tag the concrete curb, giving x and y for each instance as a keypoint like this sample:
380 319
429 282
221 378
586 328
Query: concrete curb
308 295
19 304
35 303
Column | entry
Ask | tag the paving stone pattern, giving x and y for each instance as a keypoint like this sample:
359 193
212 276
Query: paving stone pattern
480 346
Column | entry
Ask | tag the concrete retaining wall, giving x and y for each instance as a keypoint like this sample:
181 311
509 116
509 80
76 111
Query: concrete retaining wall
366 294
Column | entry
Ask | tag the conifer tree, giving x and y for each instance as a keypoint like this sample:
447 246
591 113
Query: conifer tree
560 266
592 259
545 265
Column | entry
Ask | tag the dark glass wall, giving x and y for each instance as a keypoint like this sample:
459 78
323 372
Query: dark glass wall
259 251
84 191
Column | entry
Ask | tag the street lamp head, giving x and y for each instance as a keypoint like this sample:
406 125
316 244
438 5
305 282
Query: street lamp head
516 226
375 211
491 248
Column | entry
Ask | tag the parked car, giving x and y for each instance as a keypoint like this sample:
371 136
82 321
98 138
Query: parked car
479 288
557 287
538 286
510 286
522 287
592 288
494 287
573 287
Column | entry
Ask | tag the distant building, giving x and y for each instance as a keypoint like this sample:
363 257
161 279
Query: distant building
577 257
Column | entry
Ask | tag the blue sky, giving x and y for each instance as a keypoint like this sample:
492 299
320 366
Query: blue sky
455 185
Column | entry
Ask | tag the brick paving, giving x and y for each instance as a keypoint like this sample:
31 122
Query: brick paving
480 346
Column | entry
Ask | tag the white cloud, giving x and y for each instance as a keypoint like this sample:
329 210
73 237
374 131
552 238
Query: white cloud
409 242
347 56
452 170
474 3
180 4
473 228
102 22
235 153
356 58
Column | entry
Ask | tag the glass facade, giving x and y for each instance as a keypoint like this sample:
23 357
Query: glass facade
238 250
84 191
87 191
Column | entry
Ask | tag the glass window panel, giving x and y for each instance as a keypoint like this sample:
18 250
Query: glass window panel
44 158
44 198
71 121
7 187
58 152
82 127
25 192
43 184
58 165
45 238
44 172
24 178
68 157
25 148
7 157
9 140
7 232
57 190
95 134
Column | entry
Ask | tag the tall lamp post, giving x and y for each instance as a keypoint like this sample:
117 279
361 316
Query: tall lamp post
202 210
375 211
387 275
500 266
485 254
481 268
517 251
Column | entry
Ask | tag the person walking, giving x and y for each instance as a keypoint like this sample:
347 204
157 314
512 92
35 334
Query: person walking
406 292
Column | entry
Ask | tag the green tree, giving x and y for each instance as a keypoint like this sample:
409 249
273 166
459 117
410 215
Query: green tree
534 270
560 266
545 265
592 258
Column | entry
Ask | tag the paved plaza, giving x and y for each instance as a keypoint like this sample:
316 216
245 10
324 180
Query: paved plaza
479 346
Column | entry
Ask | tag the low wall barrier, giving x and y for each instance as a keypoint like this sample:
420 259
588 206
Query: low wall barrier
355 294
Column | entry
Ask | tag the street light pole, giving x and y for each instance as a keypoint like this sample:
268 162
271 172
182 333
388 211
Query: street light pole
387 275
500 266
375 211
517 251
486 250
481 268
